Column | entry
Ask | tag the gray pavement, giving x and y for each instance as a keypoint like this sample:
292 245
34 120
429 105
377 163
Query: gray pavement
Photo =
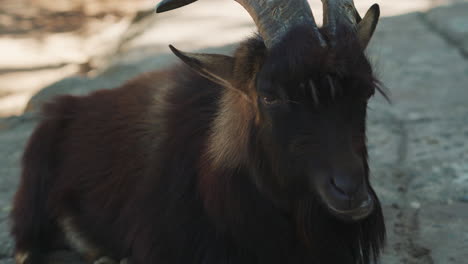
418 144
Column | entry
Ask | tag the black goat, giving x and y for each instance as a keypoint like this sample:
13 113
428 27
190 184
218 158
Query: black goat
256 158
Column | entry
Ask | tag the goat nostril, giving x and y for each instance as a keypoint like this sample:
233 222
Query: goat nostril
341 191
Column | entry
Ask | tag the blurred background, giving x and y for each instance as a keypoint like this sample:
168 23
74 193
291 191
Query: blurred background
418 144
43 41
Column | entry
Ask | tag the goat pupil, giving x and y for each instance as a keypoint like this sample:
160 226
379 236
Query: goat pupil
269 100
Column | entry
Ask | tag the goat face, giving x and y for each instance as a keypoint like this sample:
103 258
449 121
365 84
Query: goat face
312 128
307 91
306 121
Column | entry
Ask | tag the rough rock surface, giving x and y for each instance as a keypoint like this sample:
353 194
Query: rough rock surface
418 143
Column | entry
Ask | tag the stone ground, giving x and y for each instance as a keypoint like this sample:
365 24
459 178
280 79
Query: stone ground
418 143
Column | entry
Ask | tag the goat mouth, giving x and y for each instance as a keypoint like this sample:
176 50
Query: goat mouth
364 209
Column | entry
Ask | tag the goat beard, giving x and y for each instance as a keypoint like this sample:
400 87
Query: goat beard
335 241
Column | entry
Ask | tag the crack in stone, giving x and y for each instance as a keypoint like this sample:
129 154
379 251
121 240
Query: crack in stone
4 256
432 27
407 226
417 252
403 144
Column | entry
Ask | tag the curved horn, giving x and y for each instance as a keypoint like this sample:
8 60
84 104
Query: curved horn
167 5
342 11
274 18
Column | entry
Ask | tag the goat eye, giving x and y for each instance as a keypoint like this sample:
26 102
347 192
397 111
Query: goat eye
270 100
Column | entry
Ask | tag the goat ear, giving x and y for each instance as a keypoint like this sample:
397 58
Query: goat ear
367 25
217 68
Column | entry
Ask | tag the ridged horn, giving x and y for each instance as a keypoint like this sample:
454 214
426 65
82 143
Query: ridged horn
274 18
341 12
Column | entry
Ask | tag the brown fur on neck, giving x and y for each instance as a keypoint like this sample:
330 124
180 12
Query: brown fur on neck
238 110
